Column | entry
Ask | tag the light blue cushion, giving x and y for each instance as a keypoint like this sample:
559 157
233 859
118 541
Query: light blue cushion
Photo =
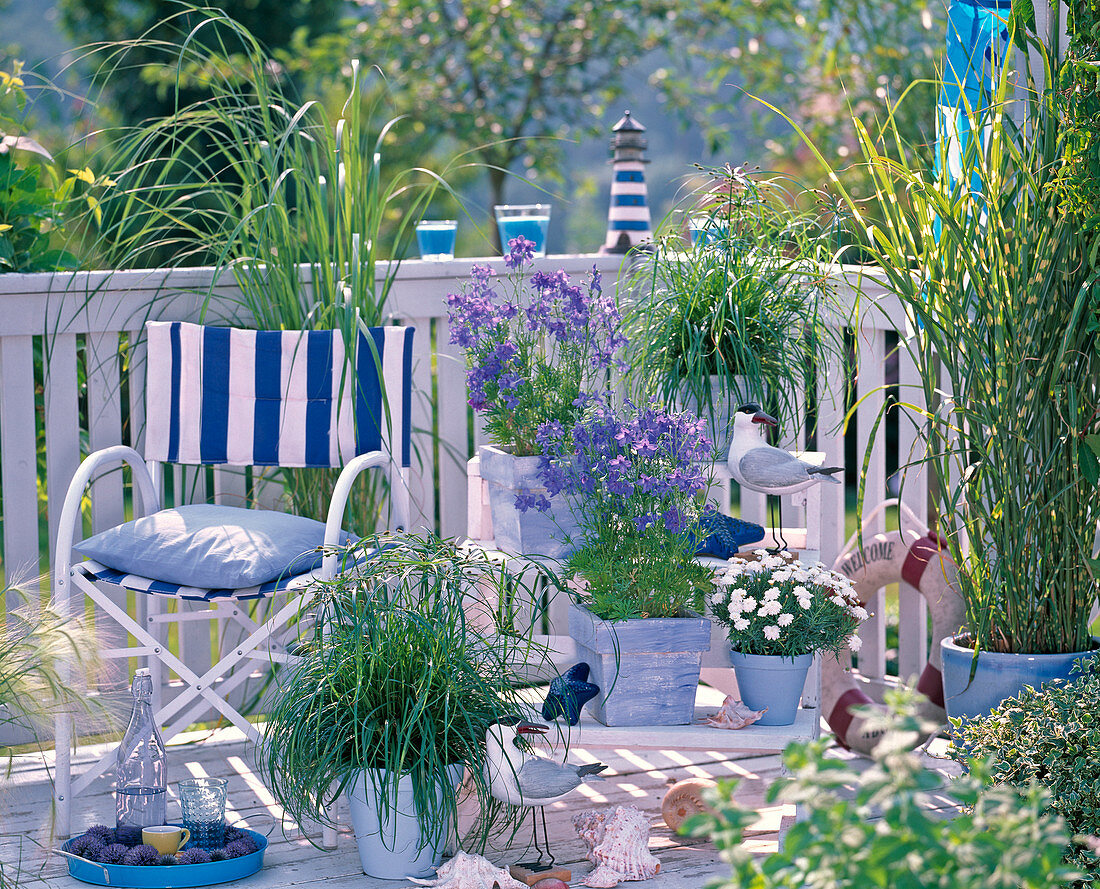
211 546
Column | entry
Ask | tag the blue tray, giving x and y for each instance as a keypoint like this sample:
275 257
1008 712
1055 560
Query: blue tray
173 876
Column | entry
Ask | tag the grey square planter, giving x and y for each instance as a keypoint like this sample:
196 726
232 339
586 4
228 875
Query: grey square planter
647 670
524 533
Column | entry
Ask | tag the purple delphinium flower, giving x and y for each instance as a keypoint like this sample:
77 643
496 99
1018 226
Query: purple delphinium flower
535 354
193 856
141 856
166 860
520 251
113 854
636 470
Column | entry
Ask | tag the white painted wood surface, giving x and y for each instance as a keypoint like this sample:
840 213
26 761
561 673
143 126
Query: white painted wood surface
79 318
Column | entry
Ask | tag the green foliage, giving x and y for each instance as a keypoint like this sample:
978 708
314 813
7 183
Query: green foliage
639 576
1049 737
882 826
149 88
398 672
744 301
1079 95
1003 304
40 208
509 81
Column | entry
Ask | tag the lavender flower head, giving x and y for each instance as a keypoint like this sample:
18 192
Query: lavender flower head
535 347
166 860
101 832
92 850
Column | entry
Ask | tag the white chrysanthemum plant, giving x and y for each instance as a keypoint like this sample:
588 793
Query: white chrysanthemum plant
780 606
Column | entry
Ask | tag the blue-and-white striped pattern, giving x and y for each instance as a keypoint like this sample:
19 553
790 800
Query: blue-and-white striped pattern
220 395
629 210
136 582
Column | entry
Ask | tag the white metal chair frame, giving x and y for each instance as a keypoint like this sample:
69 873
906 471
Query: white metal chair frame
211 687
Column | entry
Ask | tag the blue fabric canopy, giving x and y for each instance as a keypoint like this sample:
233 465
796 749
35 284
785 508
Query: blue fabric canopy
977 42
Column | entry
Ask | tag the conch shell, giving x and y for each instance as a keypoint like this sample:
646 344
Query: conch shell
733 714
471 872
618 844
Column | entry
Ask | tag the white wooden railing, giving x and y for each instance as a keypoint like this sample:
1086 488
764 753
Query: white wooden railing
81 322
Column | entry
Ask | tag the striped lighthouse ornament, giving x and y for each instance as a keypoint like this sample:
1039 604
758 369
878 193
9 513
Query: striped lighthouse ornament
628 222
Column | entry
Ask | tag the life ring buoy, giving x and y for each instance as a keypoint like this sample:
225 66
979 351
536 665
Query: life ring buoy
921 561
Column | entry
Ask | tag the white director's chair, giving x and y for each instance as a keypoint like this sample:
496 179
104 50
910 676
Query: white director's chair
230 397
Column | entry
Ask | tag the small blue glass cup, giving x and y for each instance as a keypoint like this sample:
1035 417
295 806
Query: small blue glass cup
436 239
523 220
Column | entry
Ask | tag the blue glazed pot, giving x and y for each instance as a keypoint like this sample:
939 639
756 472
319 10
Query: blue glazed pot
532 532
997 676
772 681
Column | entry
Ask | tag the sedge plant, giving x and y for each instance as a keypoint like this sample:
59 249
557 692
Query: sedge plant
412 657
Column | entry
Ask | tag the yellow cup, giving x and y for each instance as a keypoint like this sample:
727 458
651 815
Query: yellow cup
167 839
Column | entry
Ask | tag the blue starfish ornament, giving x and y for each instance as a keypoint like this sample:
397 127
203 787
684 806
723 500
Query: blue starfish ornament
568 694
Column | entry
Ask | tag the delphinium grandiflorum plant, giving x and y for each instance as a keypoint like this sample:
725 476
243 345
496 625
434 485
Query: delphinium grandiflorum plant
638 488
533 345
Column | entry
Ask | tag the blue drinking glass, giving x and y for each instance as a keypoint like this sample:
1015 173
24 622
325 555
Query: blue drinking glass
529 221
436 238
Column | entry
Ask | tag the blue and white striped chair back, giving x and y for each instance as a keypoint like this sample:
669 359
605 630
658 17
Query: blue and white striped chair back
227 396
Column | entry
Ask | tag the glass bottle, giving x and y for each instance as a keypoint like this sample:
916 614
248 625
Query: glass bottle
141 788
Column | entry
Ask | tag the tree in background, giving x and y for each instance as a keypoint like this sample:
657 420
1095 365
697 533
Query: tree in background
150 91
504 79
510 83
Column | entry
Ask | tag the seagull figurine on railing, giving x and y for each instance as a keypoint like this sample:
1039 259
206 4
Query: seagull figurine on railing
756 465
523 779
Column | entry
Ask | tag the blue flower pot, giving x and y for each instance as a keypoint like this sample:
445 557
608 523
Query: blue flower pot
997 676
772 681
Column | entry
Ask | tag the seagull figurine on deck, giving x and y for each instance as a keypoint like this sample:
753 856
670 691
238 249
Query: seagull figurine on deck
523 779
756 465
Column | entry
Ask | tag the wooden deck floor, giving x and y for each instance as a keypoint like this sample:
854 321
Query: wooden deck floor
638 779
